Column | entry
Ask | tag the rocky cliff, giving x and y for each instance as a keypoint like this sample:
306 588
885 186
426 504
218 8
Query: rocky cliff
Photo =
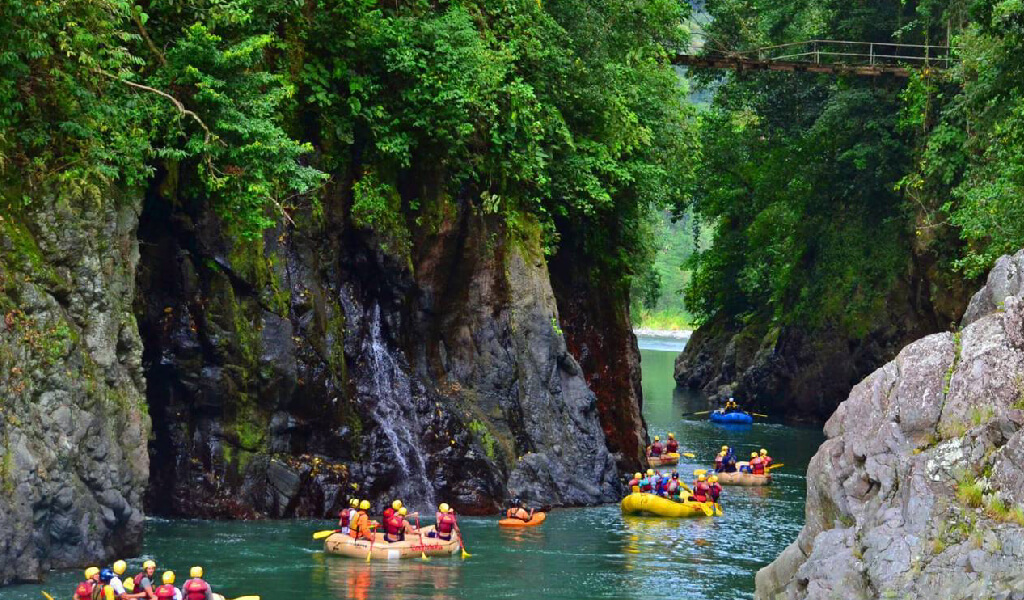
804 372
287 373
918 491
73 420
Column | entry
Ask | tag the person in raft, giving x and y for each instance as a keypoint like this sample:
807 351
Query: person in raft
766 459
635 482
714 488
729 460
396 526
144 582
718 461
518 511
91 585
445 523
657 448
167 591
731 406
672 446
196 588
672 487
361 527
701 489
647 483
116 583
347 515
756 464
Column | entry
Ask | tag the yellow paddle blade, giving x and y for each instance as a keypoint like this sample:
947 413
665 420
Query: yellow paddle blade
718 510
465 554
248 598
708 510
776 466
320 535
423 556
760 415
700 472
689 455
48 597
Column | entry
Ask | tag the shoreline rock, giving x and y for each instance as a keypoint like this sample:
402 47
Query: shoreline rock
917 491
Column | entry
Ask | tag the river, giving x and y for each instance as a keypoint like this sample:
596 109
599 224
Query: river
577 553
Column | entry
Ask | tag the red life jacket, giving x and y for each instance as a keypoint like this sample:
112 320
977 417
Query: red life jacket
716 491
195 589
767 460
633 483
84 590
387 514
138 581
345 516
700 491
395 525
672 446
165 591
446 525
657 449
757 466
672 486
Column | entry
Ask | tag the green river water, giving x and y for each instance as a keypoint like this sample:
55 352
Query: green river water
577 553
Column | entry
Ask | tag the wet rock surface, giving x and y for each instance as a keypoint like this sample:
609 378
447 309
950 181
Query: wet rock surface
917 491
73 421
313 365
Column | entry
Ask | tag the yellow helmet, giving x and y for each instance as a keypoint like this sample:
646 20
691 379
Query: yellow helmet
721 455
443 508
149 565
753 455
701 477
725 448
195 572
657 439
168 578
650 472
364 505
764 452
637 476
91 572
402 511
671 436
713 479
354 502
397 504
120 567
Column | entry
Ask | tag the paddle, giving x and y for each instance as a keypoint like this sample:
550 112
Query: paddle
370 552
776 466
760 415
48 597
689 455
325 533
423 555
694 414
718 510
462 544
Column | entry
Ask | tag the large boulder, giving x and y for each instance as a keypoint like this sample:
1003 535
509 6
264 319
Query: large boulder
917 492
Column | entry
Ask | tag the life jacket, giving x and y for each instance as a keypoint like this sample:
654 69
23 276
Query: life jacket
700 491
165 591
633 483
645 485
672 486
657 449
767 460
445 526
659 485
395 528
137 581
358 524
387 513
716 491
84 590
672 446
195 589
757 466
344 517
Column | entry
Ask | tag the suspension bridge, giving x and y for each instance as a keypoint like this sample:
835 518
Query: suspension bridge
866 59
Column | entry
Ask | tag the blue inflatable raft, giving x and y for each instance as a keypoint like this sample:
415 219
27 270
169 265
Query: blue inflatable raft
733 417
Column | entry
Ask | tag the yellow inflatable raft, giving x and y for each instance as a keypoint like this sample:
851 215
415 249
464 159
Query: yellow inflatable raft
639 503
738 478
345 545
664 460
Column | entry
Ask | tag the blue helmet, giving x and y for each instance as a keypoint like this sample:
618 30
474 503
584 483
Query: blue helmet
106 575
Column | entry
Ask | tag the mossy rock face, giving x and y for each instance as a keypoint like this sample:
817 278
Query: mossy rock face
72 411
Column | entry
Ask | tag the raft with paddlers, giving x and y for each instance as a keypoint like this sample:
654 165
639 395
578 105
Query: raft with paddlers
739 478
536 519
639 503
414 546
736 417
669 458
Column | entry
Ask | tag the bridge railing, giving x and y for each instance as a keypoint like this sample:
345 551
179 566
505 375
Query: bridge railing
855 53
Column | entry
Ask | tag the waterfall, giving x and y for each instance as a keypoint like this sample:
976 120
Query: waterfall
397 419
